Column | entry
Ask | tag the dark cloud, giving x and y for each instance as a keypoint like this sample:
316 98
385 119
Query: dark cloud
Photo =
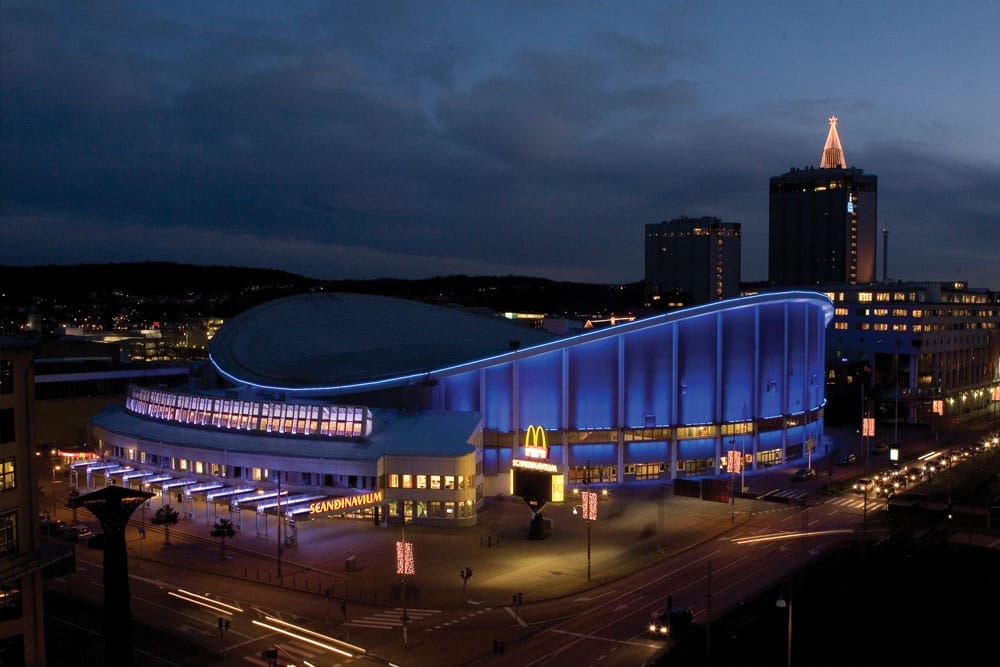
404 139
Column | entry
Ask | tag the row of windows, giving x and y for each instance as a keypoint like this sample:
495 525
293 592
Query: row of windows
433 482
259 416
494 439
916 328
415 509
921 297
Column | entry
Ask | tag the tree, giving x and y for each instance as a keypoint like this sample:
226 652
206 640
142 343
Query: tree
223 529
73 493
166 516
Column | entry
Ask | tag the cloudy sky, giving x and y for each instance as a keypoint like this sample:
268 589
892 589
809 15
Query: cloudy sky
360 139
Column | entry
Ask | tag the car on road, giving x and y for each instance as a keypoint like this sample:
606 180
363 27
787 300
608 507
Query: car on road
670 622
864 485
847 459
803 474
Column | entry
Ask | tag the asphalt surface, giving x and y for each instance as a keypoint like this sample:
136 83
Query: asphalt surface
637 524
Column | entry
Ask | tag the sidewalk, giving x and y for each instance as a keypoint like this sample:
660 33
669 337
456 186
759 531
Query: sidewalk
636 526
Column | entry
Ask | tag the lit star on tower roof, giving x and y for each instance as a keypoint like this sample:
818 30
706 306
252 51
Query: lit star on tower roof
833 154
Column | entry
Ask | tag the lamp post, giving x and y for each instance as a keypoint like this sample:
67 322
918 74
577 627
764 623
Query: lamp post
404 566
589 511
280 549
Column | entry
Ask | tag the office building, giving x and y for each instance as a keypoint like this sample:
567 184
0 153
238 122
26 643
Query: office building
694 260
931 349
22 627
823 222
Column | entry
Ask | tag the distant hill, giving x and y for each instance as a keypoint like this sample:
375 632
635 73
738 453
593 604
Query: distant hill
225 290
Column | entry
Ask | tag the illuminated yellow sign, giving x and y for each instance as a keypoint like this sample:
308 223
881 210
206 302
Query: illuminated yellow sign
535 445
346 502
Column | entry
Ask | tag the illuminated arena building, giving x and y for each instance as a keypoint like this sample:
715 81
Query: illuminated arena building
377 407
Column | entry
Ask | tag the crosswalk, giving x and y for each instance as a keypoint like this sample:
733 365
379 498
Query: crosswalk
790 495
857 502
390 618
459 619
851 501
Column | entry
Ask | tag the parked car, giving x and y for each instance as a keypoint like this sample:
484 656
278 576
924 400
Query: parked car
802 474
883 447
847 459
78 533
53 528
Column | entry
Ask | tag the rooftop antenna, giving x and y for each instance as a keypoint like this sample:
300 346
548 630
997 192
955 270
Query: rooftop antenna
885 254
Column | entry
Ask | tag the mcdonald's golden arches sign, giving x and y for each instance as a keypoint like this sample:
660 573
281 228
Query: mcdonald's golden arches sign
535 445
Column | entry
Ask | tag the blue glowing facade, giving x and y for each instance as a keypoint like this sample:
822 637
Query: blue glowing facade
660 397
355 393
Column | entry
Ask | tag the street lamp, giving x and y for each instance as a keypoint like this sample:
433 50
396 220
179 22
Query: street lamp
56 468
404 566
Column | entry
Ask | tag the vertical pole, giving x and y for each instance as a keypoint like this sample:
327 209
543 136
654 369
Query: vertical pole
588 522
279 527
743 464
708 616
791 597
732 499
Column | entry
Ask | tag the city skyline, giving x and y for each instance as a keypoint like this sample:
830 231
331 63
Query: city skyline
408 140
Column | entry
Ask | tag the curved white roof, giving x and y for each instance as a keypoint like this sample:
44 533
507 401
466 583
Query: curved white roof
333 343
321 340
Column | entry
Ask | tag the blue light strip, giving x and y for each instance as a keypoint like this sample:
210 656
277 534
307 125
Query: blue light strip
628 327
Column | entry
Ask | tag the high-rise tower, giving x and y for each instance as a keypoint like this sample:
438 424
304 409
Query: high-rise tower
823 222
696 257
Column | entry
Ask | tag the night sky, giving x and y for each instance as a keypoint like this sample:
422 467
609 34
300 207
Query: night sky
349 139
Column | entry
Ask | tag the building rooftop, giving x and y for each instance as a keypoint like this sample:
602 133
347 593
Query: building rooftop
323 340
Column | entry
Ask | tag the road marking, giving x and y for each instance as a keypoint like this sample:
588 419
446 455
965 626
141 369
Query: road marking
516 617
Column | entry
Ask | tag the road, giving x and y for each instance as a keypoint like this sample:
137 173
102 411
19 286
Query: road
755 548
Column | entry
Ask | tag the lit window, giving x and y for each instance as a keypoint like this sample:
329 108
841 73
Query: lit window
407 481
435 481
421 481
7 477
864 297
393 481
